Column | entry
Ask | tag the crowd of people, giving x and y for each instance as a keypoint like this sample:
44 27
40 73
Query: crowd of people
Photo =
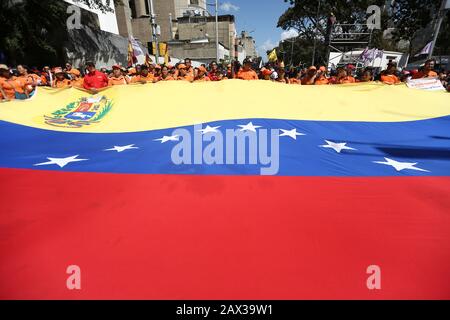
21 82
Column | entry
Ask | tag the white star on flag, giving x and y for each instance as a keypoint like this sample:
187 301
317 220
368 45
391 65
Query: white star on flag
291 133
168 138
61 162
122 148
209 129
399 166
249 127
338 147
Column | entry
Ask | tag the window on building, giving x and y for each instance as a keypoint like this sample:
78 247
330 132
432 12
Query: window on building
133 9
147 8
194 2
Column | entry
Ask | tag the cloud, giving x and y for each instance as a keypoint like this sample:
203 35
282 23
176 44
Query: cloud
291 33
228 6
266 46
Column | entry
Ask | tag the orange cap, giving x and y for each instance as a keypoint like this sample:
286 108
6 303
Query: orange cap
58 70
202 69
181 66
116 66
312 68
266 72
323 69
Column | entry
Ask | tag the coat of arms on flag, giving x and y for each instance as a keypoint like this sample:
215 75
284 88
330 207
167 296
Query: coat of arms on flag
85 111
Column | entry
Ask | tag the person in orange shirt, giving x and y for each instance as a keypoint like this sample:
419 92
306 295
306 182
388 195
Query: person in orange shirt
60 79
183 73
73 73
189 69
12 87
389 76
367 76
165 75
310 77
282 76
4 75
201 74
45 76
247 73
144 77
343 77
427 71
157 70
321 78
117 77
265 73
30 80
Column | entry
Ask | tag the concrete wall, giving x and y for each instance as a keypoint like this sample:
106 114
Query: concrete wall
163 9
199 27
123 14
249 45
202 52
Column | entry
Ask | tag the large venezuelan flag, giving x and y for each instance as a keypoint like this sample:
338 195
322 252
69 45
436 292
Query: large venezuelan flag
362 179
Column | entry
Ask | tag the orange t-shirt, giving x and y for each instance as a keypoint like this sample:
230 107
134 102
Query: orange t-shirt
113 81
307 81
149 78
44 80
78 82
347 79
168 78
390 79
31 79
422 74
247 75
321 81
74 72
61 84
205 78
187 77
11 86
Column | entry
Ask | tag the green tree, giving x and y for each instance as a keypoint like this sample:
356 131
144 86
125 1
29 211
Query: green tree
34 31
406 19
412 16
309 18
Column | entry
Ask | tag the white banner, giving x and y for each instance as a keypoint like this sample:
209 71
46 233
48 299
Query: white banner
431 84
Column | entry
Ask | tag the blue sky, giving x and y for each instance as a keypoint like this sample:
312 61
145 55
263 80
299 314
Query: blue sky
260 16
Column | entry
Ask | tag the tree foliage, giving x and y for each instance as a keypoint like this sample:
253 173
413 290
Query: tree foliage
309 17
31 29
411 16
34 31
406 18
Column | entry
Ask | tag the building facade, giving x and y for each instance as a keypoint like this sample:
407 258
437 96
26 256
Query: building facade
249 44
187 27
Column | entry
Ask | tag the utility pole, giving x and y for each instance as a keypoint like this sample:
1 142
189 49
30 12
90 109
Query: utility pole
315 40
154 27
171 26
441 15
217 32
